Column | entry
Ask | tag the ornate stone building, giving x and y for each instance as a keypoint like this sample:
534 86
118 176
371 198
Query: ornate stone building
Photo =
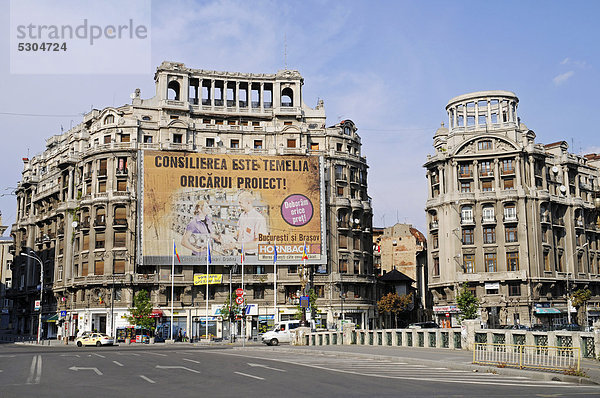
515 220
80 201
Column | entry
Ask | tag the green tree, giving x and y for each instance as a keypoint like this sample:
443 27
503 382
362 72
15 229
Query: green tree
141 311
467 303
230 308
579 299
394 304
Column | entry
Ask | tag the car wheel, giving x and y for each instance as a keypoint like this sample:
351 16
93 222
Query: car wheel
79 344
274 342
98 344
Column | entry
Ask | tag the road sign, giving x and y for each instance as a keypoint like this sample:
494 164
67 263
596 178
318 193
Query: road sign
304 302
239 300
63 313
37 305
239 292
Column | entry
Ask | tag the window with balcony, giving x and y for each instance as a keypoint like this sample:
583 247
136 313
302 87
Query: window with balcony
469 263
99 267
490 262
118 266
468 236
465 170
466 214
339 172
435 240
489 235
508 166
510 213
512 261
121 166
486 169
511 234
489 214
100 220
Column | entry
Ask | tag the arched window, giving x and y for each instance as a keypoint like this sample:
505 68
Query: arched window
173 91
466 215
287 97
109 119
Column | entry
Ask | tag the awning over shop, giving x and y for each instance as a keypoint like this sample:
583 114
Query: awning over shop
156 314
50 318
547 311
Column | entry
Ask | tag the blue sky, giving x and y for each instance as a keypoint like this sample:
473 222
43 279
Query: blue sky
390 66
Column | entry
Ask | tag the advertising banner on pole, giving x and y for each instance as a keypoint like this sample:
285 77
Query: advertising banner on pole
235 201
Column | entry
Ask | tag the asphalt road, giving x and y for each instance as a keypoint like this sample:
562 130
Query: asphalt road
186 371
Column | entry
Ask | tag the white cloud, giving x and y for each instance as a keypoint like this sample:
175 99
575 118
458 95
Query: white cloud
562 78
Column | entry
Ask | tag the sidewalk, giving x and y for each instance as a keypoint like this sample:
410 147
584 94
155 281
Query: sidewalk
453 359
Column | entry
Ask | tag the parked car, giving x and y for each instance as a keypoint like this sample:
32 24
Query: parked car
518 327
571 327
538 327
424 325
97 339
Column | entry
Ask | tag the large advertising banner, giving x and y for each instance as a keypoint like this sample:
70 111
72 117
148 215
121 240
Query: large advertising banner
239 203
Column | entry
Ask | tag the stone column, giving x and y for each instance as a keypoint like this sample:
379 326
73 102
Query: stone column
212 92
566 180
261 99
441 177
476 113
532 172
237 96
475 176
468 329
496 175
518 181
70 186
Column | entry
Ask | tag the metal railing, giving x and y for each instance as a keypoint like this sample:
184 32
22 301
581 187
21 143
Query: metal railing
528 356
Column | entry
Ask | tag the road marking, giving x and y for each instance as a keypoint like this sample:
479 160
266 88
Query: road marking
265 367
147 379
247 375
177 367
35 371
118 363
101 356
7 356
75 368
190 360
156 353
128 353
70 355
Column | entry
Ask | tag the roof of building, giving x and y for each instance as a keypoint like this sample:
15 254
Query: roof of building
555 144
441 131
417 234
395 276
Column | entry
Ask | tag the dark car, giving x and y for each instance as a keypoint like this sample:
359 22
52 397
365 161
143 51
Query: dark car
424 325
538 327
570 327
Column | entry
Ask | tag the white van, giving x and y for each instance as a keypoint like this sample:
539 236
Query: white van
283 332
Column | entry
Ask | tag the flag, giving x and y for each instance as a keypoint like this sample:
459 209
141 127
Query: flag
208 251
175 252
274 253
242 256
304 252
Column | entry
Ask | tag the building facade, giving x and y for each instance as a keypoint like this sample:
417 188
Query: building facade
6 258
81 203
515 220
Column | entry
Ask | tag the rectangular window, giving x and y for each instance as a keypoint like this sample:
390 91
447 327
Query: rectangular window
435 240
86 242
547 262
486 168
102 167
125 138
98 267
514 289
121 185
287 123
314 146
509 183
99 240
291 143
490 262
177 138
343 266
465 187
256 124
436 266
101 186
487 186
511 234
231 122
320 290
469 263
484 145
465 170
219 122
210 142
258 144
356 267
343 241
559 262
258 292
340 191
147 139
120 239
107 139
512 261
119 266
206 121
510 213
467 236
235 144
466 214
508 166
489 235
489 214
84 268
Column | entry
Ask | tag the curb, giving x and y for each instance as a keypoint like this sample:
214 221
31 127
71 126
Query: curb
536 375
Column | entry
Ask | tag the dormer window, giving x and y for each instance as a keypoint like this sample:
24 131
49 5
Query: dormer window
109 119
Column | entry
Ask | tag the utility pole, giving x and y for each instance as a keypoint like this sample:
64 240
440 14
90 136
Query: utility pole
35 257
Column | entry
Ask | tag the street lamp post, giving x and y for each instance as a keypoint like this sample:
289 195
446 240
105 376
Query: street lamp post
36 258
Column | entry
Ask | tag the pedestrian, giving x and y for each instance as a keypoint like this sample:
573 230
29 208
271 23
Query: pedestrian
179 335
